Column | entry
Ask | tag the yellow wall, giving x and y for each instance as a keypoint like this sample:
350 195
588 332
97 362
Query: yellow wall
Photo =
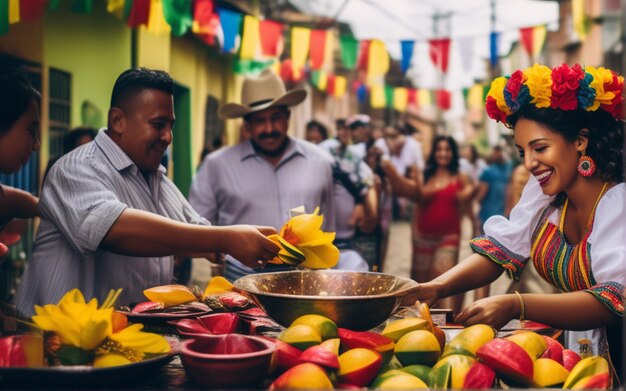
153 51
194 66
95 48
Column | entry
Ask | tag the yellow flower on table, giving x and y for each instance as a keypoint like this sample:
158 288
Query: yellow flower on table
302 241
86 333
79 324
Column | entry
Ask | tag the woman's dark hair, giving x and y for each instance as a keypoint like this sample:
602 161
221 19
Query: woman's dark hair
606 136
16 93
431 164
133 81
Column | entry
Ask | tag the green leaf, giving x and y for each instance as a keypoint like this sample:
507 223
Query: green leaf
71 355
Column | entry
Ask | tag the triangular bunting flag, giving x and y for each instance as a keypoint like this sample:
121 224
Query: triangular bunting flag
378 59
178 15
250 38
231 23
475 98
361 93
493 48
407 55
440 53
349 50
424 98
271 36
139 13
156 22
117 7
317 49
579 19
14 11
444 99
4 17
331 84
412 97
31 9
364 51
300 39
400 99
340 86
539 38
82 6
466 49
377 96
389 96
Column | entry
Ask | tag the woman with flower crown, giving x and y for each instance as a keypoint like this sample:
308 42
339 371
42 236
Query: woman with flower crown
570 220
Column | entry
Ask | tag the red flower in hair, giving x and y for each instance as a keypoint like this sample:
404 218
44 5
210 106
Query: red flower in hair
564 86
515 83
493 111
615 86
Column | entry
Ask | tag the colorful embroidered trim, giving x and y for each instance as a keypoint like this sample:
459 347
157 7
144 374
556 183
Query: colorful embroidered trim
494 250
561 88
610 294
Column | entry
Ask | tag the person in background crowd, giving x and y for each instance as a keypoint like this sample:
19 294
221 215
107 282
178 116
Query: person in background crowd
19 138
569 221
316 132
472 165
72 140
355 198
261 179
491 194
438 226
110 217
360 132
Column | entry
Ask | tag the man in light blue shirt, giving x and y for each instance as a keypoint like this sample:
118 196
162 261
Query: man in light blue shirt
258 181
110 217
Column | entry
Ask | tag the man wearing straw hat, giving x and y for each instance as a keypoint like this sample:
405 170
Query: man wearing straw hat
261 179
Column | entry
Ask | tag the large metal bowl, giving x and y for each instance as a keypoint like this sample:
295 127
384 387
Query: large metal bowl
354 300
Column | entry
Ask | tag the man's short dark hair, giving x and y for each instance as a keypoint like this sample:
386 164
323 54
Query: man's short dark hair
133 81
340 122
356 124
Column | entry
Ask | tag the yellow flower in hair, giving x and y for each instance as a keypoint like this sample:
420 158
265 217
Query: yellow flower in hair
539 83
600 77
497 93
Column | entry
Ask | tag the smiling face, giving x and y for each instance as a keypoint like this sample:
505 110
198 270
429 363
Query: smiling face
548 155
22 138
143 127
443 153
268 130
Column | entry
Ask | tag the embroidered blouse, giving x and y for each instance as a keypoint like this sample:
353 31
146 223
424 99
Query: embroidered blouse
534 231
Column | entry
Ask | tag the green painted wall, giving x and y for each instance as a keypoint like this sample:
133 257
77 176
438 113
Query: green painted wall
95 48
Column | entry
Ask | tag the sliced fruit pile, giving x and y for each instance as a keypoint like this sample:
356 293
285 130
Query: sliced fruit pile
410 353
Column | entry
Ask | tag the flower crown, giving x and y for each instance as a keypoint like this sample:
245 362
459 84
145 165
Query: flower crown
562 88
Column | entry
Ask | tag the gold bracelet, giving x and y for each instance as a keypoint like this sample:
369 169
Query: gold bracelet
522 308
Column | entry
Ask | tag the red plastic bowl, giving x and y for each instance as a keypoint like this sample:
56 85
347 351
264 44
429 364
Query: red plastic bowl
229 360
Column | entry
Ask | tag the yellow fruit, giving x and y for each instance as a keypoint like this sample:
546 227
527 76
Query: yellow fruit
170 295
450 371
217 285
418 347
301 336
332 345
398 380
548 373
533 343
359 366
586 367
470 340
397 328
326 327
303 376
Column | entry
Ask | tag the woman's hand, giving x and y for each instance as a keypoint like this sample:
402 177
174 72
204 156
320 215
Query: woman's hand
428 292
249 244
495 311
7 239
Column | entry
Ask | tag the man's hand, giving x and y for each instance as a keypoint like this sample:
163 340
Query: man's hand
428 292
249 244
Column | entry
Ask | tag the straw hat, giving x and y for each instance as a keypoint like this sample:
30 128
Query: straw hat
261 93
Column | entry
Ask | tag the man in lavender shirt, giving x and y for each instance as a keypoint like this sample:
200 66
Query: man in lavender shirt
110 217
259 180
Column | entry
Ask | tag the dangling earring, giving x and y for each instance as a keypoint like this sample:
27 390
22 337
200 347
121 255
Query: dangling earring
586 166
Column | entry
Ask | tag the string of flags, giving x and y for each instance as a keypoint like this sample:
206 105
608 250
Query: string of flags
257 44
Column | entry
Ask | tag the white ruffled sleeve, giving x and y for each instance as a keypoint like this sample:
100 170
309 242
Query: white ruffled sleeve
507 241
607 243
